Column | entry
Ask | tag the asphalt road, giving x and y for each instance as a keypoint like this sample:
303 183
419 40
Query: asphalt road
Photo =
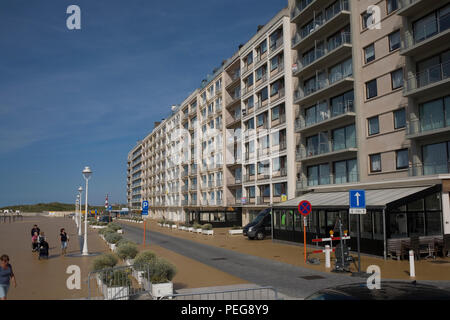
289 280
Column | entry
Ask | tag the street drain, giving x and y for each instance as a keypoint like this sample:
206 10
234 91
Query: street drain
217 259
312 277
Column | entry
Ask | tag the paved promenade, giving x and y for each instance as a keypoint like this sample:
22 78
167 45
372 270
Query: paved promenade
426 269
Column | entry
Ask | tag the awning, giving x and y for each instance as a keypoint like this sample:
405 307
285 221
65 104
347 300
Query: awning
374 198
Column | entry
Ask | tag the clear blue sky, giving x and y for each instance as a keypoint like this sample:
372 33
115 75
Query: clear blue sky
74 98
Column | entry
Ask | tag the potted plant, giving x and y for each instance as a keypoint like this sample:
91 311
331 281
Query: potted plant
105 261
112 239
235 230
104 232
127 251
207 229
198 228
159 278
114 226
161 222
116 284
141 264
174 226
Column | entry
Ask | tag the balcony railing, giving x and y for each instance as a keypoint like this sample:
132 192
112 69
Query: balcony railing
320 85
425 32
427 124
262 200
427 77
219 183
210 184
425 169
340 109
332 45
193 187
300 7
248 178
330 179
319 22
274 46
321 149
263 151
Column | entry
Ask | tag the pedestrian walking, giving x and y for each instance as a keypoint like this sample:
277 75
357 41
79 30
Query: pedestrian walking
64 241
6 275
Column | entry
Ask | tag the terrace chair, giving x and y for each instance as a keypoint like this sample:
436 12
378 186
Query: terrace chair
414 244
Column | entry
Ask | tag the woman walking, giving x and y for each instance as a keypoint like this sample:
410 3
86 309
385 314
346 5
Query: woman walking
6 274
64 241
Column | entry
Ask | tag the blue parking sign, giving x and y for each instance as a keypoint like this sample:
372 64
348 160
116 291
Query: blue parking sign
145 208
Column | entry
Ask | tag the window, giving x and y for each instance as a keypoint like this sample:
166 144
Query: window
251 192
263 46
374 127
402 159
344 138
435 114
394 41
250 80
400 118
345 171
264 94
375 162
369 53
279 189
250 102
431 24
366 20
371 89
275 113
392 5
341 71
435 158
319 175
397 79
250 58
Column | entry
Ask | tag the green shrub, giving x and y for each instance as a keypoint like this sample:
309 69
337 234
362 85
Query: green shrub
114 226
113 238
143 259
105 231
123 241
196 226
160 271
207 226
104 261
161 221
118 278
127 251
236 228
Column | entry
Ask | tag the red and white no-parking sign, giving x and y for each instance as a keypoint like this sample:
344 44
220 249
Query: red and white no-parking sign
304 208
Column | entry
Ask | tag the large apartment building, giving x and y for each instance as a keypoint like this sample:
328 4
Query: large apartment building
328 96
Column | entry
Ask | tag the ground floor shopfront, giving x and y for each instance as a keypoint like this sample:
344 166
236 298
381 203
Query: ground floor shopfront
391 213
217 217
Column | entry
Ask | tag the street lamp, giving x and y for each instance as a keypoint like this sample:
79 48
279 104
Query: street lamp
77 203
80 191
87 174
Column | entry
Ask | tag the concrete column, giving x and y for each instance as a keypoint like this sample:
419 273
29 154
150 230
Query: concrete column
446 212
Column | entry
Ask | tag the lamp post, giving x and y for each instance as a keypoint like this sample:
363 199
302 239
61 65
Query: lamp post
87 174
77 203
80 191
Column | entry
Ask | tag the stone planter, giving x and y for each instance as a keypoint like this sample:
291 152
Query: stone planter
159 290
120 231
112 246
116 293
199 230
190 229
174 226
97 227
129 262
231 232
208 232
160 224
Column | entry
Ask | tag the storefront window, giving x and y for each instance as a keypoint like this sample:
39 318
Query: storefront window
276 219
377 225
289 219
433 202
397 225
322 221
366 225
434 223
298 224
416 224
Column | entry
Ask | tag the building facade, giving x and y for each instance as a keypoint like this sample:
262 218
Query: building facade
328 96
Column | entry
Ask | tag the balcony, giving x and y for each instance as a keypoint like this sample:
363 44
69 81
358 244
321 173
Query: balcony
263 176
277 96
280 173
412 7
323 151
234 78
184 202
275 46
337 49
420 128
425 169
184 173
234 182
325 180
193 187
219 183
426 39
263 152
234 99
301 10
280 147
185 188
210 184
262 200
193 202
249 178
327 118
322 26
433 80
322 89
219 202
233 121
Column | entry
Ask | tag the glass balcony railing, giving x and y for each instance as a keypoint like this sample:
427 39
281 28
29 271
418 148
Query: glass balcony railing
427 77
319 21
323 149
336 111
429 168
299 7
333 44
320 180
428 123
425 31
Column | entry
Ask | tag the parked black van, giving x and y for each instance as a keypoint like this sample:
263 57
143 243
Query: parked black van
260 227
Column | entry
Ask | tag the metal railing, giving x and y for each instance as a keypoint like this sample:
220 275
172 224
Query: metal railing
330 179
429 76
276 45
322 149
336 111
261 293
262 200
426 124
300 6
424 169
333 44
425 32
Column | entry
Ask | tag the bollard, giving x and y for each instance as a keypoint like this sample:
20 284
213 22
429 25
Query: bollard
327 256
412 271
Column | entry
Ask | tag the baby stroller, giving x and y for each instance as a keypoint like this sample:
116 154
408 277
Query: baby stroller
43 250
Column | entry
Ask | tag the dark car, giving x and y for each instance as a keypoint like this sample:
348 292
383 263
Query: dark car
105 219
260 227
390 290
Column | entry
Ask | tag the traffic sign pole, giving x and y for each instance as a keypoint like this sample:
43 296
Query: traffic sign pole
304 237
304 208
359 251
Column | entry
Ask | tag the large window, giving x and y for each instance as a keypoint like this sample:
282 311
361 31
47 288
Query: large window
342 103
391 5
344 138
433 23
375 162
435 158
402 161
345 171
317 113
369 53
374 127
341 71
435 114
397 79
400 118
371 89
319 175
394 41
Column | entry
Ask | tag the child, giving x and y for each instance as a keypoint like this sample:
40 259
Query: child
34 241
